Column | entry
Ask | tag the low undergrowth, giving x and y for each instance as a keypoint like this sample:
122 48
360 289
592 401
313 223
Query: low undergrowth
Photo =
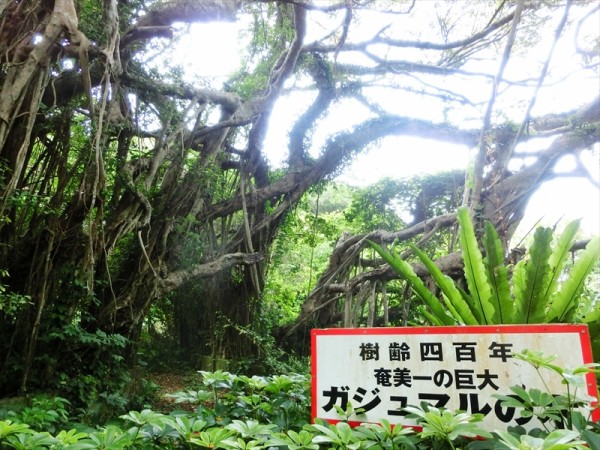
239 412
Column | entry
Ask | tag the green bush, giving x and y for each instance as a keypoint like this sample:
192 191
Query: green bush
272 413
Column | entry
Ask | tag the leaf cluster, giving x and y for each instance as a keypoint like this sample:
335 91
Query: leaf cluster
534 290
437 428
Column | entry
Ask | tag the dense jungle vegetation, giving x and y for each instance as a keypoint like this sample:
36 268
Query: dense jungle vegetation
145 226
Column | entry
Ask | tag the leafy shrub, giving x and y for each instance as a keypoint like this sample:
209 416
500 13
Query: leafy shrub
44 413
566 428
222 397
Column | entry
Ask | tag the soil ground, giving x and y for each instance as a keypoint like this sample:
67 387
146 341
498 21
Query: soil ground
170 383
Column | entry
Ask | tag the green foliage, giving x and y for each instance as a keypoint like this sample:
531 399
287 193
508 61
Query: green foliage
385 436
11 303
224 397
390 203
405 270
302 250
441 425
497 274
553 411
338 436
8 428
269 33
96 381
45 413
376 207
475 274
541 292
565 427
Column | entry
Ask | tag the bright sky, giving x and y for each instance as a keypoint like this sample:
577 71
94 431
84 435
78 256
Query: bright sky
565 197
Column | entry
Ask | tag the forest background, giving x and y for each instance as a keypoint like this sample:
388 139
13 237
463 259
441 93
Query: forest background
155 214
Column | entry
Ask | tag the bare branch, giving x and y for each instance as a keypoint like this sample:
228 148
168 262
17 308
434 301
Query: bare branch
473 195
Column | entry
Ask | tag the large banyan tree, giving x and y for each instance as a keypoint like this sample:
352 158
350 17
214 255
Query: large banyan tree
124 180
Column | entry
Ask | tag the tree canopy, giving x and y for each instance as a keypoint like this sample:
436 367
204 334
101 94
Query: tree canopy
125 182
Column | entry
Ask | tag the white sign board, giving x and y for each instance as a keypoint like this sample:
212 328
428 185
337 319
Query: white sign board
381 370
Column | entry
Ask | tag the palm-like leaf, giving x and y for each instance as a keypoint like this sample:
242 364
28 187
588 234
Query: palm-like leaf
404 269
564 302
518 289
475 273
559 256
452 296
531 304
497 276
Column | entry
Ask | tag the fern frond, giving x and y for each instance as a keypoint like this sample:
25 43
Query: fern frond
433 320
405 271
559 256
497 276
475 273
452 296
532 306
565 301
518 290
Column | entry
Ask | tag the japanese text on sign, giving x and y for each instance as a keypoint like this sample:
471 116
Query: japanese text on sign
386 369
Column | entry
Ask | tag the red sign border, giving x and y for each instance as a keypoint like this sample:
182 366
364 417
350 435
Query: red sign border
581 329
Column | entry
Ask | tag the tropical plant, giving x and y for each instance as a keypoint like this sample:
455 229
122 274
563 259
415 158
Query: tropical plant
293 440
126 181
557 440
534 290
338 436
445 427
554 411
44 413
384 435
282 400
566 419
440 429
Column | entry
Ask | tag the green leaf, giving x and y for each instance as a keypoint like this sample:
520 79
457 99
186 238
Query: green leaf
592 439
8 427
564 303
562 439
559 255
454 299
531 306
475 273
497 276
23 441
405 270
519 283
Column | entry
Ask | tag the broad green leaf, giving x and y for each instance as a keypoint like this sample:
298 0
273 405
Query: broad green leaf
475 273
8 427
32 441
454 300
592 439
405 270
559 255
497 276
565 302
453 311
433 320
532 308
518 281
562 439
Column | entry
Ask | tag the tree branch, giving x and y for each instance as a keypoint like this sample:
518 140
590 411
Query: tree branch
177 278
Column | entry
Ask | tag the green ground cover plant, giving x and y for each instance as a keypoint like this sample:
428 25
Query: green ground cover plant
239 412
